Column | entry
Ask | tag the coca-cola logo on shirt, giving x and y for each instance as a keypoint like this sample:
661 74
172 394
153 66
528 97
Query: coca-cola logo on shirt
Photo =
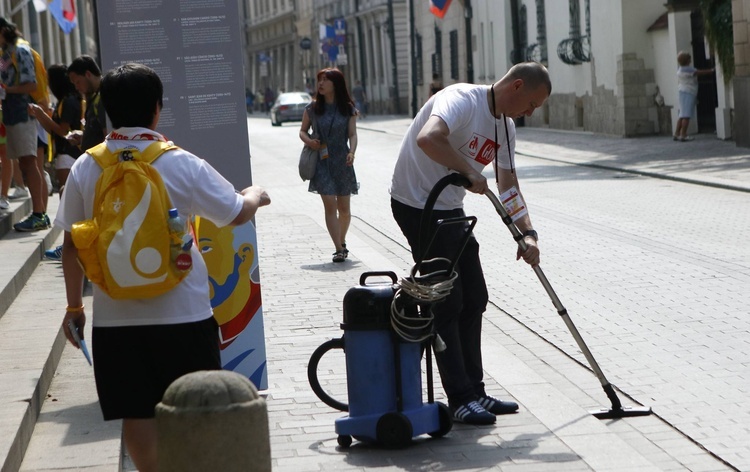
479 148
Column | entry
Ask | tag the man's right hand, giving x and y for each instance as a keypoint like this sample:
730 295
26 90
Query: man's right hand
478 183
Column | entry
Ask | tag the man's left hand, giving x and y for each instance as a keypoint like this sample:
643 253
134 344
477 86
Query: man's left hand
531 254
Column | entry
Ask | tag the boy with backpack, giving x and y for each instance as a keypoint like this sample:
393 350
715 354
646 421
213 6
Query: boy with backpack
141 345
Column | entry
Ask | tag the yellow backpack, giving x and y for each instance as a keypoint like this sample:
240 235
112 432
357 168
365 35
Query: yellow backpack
127 247
41 94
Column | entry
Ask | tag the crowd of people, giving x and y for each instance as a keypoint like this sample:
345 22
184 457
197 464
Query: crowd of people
176 331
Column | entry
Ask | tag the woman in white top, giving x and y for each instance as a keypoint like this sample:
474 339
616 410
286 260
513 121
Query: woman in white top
687 86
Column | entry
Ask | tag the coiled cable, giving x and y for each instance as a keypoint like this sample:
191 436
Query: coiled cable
412 324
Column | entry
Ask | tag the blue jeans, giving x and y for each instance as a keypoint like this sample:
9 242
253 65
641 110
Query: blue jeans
458 318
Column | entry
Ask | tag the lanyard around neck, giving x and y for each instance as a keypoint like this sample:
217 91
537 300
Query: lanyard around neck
507 138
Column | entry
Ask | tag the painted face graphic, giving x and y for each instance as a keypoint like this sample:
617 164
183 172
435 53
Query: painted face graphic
229 258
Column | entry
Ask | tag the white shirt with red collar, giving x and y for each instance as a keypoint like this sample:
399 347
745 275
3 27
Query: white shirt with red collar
194 188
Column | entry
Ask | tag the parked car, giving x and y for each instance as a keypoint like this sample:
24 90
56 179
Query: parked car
289 106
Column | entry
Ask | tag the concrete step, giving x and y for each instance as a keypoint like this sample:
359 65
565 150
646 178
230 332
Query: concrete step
18 210
29 328
21 252
70 433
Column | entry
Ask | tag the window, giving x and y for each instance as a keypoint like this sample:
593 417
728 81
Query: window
541 31
418 59
437 57
453 37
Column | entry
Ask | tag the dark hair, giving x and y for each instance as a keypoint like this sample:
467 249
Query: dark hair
83 64
344 102
59 83
533 74
130 94
8 30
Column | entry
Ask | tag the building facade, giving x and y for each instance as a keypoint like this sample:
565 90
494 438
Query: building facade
289 41
270 45
47 37
612 62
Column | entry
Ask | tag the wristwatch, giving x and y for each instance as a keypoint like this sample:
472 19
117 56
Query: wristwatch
531 233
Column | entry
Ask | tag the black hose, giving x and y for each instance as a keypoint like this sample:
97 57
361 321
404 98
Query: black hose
312 373
424 223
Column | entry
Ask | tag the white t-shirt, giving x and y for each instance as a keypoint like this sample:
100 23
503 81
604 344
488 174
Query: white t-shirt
687 81
194 188
465 110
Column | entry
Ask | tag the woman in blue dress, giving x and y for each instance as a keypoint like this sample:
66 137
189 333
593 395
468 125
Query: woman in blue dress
332 116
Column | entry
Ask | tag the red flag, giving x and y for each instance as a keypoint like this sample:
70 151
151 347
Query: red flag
439 7
69 9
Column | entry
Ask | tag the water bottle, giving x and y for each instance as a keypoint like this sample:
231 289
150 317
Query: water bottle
180 242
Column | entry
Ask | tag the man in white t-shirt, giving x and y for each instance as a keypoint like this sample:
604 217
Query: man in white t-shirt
461 129
141 345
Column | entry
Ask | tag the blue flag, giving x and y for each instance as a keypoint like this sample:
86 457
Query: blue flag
64 11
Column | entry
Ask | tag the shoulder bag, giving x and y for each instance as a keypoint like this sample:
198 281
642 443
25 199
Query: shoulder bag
308 159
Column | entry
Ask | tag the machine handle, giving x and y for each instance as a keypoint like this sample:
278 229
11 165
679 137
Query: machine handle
459 180
312 373
363 277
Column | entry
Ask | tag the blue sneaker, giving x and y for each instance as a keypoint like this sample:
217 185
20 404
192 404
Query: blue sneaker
497 407
47 221
473 413
32 223
54 254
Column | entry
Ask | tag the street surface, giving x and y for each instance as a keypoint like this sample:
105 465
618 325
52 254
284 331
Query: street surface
654 273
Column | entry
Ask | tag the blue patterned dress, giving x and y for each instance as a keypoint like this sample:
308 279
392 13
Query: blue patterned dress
332 175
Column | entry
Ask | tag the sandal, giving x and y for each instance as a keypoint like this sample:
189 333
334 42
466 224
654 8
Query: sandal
339 256
345 251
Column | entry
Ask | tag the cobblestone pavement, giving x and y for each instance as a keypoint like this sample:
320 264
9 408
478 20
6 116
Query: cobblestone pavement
653 271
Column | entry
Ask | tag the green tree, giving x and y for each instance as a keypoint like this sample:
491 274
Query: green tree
717 18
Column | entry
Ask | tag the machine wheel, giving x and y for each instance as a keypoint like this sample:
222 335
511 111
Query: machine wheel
445 418
394 430
344 440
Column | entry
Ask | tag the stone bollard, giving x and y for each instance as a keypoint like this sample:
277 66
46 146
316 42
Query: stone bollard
213 421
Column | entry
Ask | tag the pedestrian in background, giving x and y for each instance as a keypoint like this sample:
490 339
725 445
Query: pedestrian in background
360 99
18 82
269 98
334 114
86 76
453 133
175 332
66 117
6 169
687 87
10 172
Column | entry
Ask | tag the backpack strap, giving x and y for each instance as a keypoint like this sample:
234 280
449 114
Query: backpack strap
105 158
154 150
102 155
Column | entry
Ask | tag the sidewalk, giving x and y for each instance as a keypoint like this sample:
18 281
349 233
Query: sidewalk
302 305
553 430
